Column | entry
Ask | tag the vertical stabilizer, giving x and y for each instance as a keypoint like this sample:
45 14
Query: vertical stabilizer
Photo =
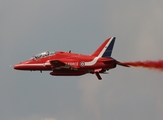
105 49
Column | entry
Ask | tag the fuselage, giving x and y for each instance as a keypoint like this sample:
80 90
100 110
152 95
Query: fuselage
79 61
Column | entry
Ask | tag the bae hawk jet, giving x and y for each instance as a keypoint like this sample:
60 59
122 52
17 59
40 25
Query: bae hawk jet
72 64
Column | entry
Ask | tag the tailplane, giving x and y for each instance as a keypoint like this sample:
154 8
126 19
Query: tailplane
105 50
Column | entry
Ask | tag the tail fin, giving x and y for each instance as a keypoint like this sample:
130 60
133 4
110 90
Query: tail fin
105 49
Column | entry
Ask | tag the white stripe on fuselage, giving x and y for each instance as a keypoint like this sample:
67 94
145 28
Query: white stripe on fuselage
92 62
43 64
101 53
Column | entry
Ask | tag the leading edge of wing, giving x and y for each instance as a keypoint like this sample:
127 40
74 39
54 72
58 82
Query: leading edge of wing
57 64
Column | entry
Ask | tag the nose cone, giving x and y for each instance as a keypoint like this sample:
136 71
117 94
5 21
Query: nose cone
17 67
21 65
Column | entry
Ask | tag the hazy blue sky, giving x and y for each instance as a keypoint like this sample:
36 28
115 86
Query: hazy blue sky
28 27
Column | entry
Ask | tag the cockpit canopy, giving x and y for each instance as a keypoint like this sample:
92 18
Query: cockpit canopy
44 54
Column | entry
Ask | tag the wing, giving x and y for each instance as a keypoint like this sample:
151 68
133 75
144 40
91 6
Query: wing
56 64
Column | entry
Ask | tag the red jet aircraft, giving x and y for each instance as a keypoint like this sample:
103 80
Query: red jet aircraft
72 64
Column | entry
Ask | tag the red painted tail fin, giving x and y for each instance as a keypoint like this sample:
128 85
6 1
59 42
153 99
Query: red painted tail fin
105 49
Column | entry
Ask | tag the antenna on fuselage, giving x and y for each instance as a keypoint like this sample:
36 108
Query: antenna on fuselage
69 51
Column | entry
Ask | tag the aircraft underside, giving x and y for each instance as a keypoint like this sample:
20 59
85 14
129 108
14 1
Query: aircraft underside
65 72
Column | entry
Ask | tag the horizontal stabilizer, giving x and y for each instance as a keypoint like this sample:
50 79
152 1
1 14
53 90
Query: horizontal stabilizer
122 64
